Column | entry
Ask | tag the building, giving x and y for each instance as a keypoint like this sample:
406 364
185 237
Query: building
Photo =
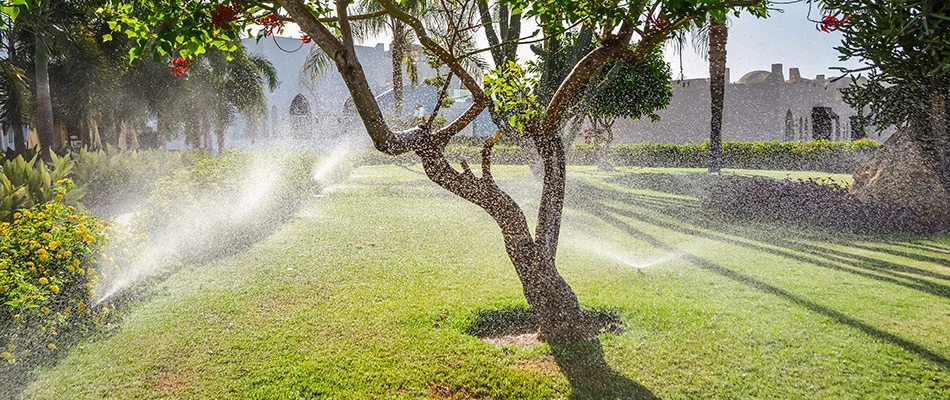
761 105
310 113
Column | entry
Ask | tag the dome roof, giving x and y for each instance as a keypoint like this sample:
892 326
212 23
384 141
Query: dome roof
754 77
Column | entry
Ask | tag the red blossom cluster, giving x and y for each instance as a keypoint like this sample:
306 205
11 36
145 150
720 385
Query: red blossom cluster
180 65
829 23
271 24
306 39
225 14
659 21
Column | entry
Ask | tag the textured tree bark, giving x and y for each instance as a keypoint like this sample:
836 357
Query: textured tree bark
44 103
718 35
397 47
16 118
559 315
939 129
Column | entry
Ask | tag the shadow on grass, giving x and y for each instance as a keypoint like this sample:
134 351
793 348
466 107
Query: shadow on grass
582 362
590 205
824 257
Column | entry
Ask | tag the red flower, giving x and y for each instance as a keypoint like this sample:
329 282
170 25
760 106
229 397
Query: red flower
659 21
271 24
180 65
225 15
829 23
305 39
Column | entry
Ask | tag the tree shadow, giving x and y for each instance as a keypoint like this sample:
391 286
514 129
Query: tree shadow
591 377
590 205
773 243
582 362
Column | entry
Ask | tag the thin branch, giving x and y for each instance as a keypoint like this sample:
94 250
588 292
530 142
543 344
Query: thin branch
438 103
486 154
357 17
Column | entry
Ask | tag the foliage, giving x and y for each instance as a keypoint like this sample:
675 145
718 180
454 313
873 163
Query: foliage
24 184
511 88
811 203
239 196
112 180
906 43
632 91
51 258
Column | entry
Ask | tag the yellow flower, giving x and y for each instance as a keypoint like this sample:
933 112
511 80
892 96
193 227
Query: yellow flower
90 270
16 216
27 213
88 238
7 355
51 346
63 181
54 288
67 254
59 197
76 262
82 271
46 235
53 245
44 281
45 310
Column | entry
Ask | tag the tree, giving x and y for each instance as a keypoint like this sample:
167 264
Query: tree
533 255
718 34
906 47
630 90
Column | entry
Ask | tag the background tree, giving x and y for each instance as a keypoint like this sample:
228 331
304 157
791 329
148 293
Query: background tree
906 46
533 255
630 90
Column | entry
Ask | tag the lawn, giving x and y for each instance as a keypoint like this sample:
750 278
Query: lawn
369 292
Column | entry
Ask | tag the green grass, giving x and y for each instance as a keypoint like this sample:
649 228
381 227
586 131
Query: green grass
368 293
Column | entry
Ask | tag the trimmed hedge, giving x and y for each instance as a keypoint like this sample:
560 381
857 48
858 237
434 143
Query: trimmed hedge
818 155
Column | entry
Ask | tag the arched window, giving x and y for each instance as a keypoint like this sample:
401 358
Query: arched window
299 105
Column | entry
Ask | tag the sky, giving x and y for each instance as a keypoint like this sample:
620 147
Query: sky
787 37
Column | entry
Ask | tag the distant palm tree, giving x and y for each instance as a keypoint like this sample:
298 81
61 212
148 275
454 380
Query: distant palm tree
14 88
717 35
709 40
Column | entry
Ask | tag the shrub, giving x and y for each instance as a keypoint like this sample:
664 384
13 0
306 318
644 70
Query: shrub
24 184
220 204
50 258
810 203
113 180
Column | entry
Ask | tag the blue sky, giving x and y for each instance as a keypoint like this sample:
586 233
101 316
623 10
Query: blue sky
755 44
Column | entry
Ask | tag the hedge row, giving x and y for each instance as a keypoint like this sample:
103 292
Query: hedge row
819 155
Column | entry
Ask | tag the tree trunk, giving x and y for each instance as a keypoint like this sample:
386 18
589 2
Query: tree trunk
44 103
219 135
85 136
397 48
554 302
16 116
16 124
939 131
718 34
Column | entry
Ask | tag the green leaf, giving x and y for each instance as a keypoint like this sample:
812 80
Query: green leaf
107 37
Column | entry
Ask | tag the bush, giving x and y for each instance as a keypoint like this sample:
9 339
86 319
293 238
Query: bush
818 155
810 203
49 265
221 204
24 184
114 180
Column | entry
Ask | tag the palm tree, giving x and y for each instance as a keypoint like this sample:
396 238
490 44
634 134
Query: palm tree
709 41
14 88
717 35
